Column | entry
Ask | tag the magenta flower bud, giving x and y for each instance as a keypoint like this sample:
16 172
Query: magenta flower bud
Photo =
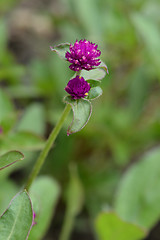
83 55
77 87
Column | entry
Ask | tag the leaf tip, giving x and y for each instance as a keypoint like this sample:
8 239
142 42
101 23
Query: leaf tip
106 69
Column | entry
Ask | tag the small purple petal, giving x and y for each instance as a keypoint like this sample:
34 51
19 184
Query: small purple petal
77 87
83 55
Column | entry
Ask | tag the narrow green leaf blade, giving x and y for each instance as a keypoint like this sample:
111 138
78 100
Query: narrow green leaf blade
109 226
74 193
149 31
6 106
10 158
16 221
3 38
94 93
82 110
74 202
7 113
44 194
61 49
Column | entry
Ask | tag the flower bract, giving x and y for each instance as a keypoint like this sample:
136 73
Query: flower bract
83 55
78 87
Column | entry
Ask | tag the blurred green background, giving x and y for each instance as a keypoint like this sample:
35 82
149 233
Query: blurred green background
117 155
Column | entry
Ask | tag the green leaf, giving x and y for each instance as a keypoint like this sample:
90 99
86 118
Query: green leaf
109 226
8 189
74 193
82 110
3 38
88 15
103 66
29 157
23 91
8 123
95 93
94 74
12 73
138 91
10 158
36 112
149 31
138 196
94 83
23 141
16 221
74 202
61 49
6 106
44 194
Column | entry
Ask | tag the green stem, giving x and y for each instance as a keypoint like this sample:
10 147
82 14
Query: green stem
67 226
47 147
74 203
78 73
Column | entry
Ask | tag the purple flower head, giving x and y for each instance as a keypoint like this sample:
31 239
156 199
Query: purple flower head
77 87
83 55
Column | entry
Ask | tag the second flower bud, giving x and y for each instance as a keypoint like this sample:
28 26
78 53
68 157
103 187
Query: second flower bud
78 87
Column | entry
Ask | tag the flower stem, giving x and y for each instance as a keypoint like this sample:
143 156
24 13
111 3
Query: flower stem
47 147
78 73
67 226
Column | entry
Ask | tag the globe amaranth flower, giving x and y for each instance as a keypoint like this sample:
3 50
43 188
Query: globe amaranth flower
77 87
83 55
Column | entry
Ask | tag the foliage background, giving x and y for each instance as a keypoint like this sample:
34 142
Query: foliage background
124 130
